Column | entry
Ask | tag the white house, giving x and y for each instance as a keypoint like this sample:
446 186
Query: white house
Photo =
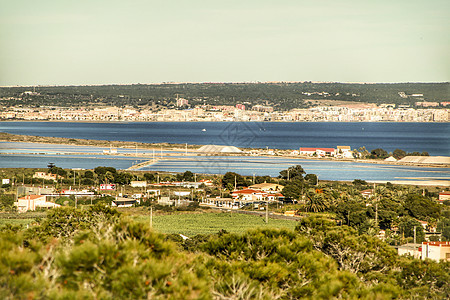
344 152
436 251
138 184
320 152
46 176
31 202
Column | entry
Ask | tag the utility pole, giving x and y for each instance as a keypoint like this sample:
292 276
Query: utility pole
376 214
151 216
267 211
414 234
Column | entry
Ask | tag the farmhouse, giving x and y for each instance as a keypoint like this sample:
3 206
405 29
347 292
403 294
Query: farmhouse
319 152
444 196
436 250
31 202
45 176
344 152
267 187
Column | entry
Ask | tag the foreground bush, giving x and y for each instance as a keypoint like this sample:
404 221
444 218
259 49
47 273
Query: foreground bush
98 254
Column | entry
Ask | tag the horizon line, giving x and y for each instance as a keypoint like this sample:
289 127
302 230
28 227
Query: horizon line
223 82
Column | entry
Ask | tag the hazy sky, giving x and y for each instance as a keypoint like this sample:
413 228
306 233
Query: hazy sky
59 42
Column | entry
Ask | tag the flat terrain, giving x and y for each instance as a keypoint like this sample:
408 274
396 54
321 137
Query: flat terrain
205 223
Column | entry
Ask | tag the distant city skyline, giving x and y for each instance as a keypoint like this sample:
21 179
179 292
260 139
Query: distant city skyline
114 42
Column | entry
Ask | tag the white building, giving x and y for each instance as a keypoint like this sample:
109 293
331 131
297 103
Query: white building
31 202
138 184
344 152
436 251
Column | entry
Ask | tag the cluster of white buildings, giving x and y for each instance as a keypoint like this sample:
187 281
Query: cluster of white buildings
262 192
347 113
339 152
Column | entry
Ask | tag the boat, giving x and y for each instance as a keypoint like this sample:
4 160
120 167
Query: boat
203 129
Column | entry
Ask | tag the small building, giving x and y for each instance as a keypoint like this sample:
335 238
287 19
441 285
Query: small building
35 190
154 193
367 193
218 202
444 196
138 184
31 202
411 249
46 176
320 152
123 202
267 187
248 195
206 182
436 251
344 152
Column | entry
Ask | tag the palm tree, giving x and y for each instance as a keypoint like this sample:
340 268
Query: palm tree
316 202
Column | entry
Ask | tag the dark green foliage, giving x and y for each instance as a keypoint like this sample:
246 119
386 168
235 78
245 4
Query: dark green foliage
57 170
294 189
292 173
263 179
421 207
425 279
406 227
188 176
359 182
66 221
283 95
230 179
89 175
6 202
398 153
149 177
444 228
311 179
379 153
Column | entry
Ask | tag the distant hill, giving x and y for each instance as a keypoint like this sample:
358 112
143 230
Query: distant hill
281 95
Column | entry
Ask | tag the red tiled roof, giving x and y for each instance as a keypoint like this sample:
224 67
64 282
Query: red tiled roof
315 149
442 244
31 197
246 191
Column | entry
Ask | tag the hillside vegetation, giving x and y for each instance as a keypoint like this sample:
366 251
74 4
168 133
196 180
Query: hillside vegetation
282 96
96 253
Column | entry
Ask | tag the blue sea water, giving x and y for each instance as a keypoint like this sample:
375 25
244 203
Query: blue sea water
431 137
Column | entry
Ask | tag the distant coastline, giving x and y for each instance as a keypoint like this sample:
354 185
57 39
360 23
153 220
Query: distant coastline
191 149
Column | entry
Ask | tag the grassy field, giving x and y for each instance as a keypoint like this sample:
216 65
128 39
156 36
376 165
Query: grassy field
22 222
193 224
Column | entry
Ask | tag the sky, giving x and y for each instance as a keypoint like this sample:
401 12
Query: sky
84 42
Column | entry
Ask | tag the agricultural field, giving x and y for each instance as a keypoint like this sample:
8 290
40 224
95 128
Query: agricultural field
206 223
22 219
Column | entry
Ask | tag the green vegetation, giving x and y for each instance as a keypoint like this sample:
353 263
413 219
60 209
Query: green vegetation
282 96
209 223
96 253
